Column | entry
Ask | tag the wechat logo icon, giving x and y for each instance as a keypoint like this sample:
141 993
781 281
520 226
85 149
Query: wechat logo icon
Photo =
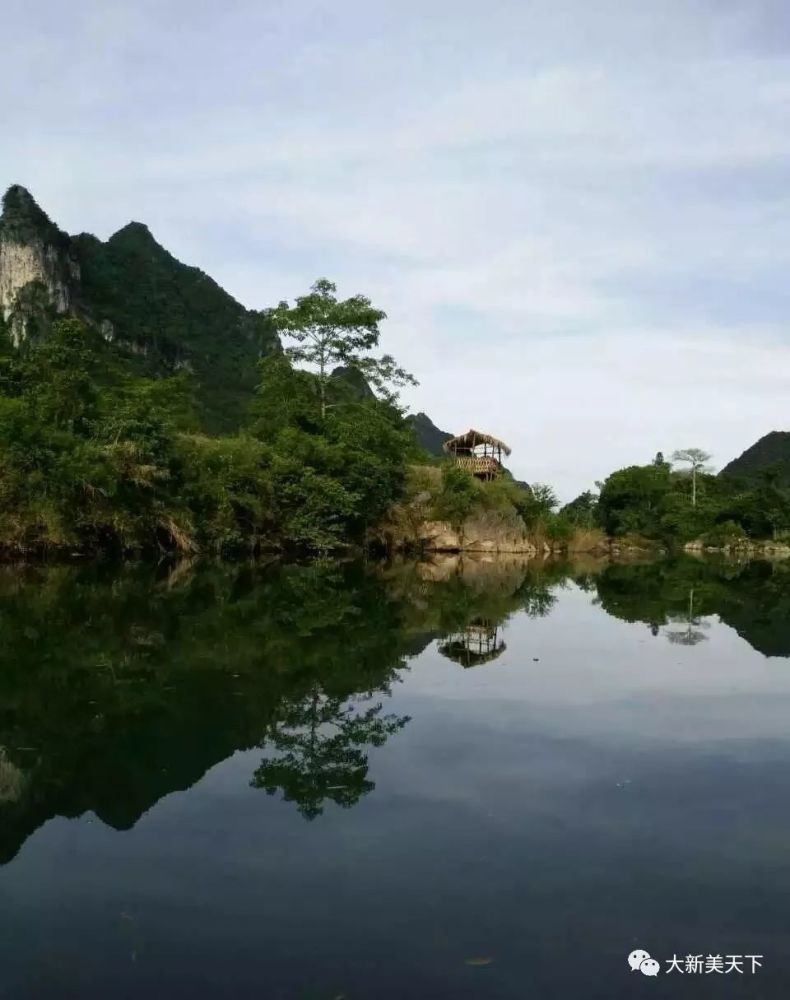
642 961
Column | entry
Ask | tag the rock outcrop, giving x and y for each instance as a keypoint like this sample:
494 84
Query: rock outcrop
39 272
411 525
486 531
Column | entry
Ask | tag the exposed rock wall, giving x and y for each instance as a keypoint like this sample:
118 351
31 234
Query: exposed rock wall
34 264
410 526
487 531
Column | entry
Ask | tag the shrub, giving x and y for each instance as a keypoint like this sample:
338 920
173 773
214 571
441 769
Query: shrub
458 496
726 533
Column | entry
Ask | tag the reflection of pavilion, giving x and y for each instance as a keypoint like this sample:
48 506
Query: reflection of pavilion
477 643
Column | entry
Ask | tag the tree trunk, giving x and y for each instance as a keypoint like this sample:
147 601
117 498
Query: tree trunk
693 486
322 389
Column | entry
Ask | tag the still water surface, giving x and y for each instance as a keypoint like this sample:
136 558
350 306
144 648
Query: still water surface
460 780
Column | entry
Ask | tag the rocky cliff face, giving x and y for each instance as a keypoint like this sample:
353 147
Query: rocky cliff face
411 525
483 532
39 272
157 315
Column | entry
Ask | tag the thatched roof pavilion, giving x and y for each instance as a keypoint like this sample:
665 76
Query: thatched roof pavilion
481 454
478 643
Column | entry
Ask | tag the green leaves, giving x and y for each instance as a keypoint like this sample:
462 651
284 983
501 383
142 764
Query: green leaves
691 504
459 495
328 332
117 464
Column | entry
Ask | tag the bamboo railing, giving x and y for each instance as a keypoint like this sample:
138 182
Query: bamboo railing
478 465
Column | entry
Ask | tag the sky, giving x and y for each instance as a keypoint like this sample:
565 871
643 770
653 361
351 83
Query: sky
574 213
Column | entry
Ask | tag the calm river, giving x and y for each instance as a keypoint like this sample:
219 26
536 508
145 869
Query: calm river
447 780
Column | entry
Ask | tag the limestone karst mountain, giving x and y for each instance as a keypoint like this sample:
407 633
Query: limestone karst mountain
157 314
39 270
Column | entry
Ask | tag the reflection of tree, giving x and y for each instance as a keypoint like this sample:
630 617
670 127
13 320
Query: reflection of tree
751 597
585 582
118 687
692 633
539 601
688 637
320 740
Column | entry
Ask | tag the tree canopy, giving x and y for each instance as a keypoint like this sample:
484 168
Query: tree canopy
330 332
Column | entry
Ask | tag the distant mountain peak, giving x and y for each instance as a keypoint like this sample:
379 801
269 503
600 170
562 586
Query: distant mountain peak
18 198
354 379
429 436
157 314
770 453
135 234
23 218
134 227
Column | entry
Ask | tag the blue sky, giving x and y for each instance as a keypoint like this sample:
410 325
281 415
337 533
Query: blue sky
574 213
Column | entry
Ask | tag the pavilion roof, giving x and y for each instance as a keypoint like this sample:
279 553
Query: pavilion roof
472 439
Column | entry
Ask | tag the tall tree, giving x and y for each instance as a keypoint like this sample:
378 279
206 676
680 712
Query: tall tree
583 510
328 332
696 459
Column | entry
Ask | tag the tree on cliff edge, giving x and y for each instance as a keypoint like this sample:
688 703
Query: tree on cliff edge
329 333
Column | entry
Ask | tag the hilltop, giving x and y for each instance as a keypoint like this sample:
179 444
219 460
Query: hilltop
157 314
770 453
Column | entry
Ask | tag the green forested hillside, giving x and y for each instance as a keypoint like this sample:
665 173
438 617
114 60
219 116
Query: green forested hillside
169 316
428 434
158 315
771 454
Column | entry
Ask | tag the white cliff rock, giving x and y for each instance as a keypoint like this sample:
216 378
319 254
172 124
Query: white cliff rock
37 267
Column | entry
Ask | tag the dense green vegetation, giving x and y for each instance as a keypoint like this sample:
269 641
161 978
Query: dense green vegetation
669 504
673 597
157 314
22 220
95 464
95 457
98 456
770 454
462 494
163 315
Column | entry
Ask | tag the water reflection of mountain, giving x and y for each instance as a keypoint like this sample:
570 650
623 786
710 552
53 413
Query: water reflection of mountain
117 688
674 597
115 691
